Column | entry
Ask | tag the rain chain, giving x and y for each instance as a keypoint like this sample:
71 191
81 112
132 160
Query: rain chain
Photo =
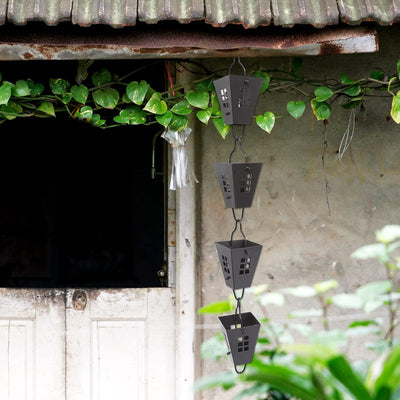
237 95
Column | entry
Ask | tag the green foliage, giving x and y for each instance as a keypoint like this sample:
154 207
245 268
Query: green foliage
106 98
296 109
171 109
80 93
317 368
20 89
198 99
156 105
47 108
266 80
136 91
58 86
266 121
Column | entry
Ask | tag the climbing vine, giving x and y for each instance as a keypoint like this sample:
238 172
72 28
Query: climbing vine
107 101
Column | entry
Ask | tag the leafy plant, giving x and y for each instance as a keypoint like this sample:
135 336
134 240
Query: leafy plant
109 102
317 368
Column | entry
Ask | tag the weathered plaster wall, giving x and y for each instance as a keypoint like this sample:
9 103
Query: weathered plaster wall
303 244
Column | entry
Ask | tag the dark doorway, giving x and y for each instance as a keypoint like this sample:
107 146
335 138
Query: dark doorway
79 206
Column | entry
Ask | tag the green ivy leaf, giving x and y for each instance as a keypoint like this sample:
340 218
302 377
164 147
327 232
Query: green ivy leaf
20 89
85 112
378 75
164 119
10 110
178 122
395 110
66 98
296 109
136 91
5 92
322 93
58 86
106 98
35 88
352 90
132 115
198 99
204 115
266 79
46 108
97 121
156 105
223 129
80 93
322 110
346 80
204 85
266 121
181 108
352 103
101 77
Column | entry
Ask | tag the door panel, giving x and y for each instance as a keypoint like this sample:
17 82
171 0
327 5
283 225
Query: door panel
16 359
118 359
32 344
121 345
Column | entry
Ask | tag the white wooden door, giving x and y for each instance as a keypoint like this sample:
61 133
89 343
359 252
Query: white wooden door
118 344
32 344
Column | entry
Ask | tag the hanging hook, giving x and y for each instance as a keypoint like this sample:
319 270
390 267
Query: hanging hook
238 299
238 139
240 372
238 221
240 63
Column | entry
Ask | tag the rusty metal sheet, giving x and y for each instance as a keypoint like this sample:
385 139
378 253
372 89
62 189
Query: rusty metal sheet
51 12
385 12
249 13
110 12
186 42
318 13
152 11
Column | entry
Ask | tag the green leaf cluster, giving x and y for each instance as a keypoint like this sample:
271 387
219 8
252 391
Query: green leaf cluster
117 101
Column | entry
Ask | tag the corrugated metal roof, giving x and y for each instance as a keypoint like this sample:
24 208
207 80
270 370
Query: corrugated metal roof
249 13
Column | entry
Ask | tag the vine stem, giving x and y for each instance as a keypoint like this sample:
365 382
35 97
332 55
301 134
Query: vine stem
327 188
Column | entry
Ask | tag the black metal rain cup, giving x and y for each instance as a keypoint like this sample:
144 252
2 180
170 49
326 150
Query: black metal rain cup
238 183
237 96
241 334
238 259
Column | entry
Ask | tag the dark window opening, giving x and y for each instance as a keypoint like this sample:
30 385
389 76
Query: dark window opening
78 205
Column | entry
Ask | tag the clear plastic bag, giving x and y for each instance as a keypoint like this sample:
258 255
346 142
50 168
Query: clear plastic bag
181 176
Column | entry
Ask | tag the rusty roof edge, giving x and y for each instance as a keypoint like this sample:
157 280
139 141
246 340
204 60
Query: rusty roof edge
192 44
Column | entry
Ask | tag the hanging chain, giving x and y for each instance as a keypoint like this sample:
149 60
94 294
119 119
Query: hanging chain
238 313
238 140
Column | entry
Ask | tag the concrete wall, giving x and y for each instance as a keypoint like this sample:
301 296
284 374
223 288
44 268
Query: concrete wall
305 241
